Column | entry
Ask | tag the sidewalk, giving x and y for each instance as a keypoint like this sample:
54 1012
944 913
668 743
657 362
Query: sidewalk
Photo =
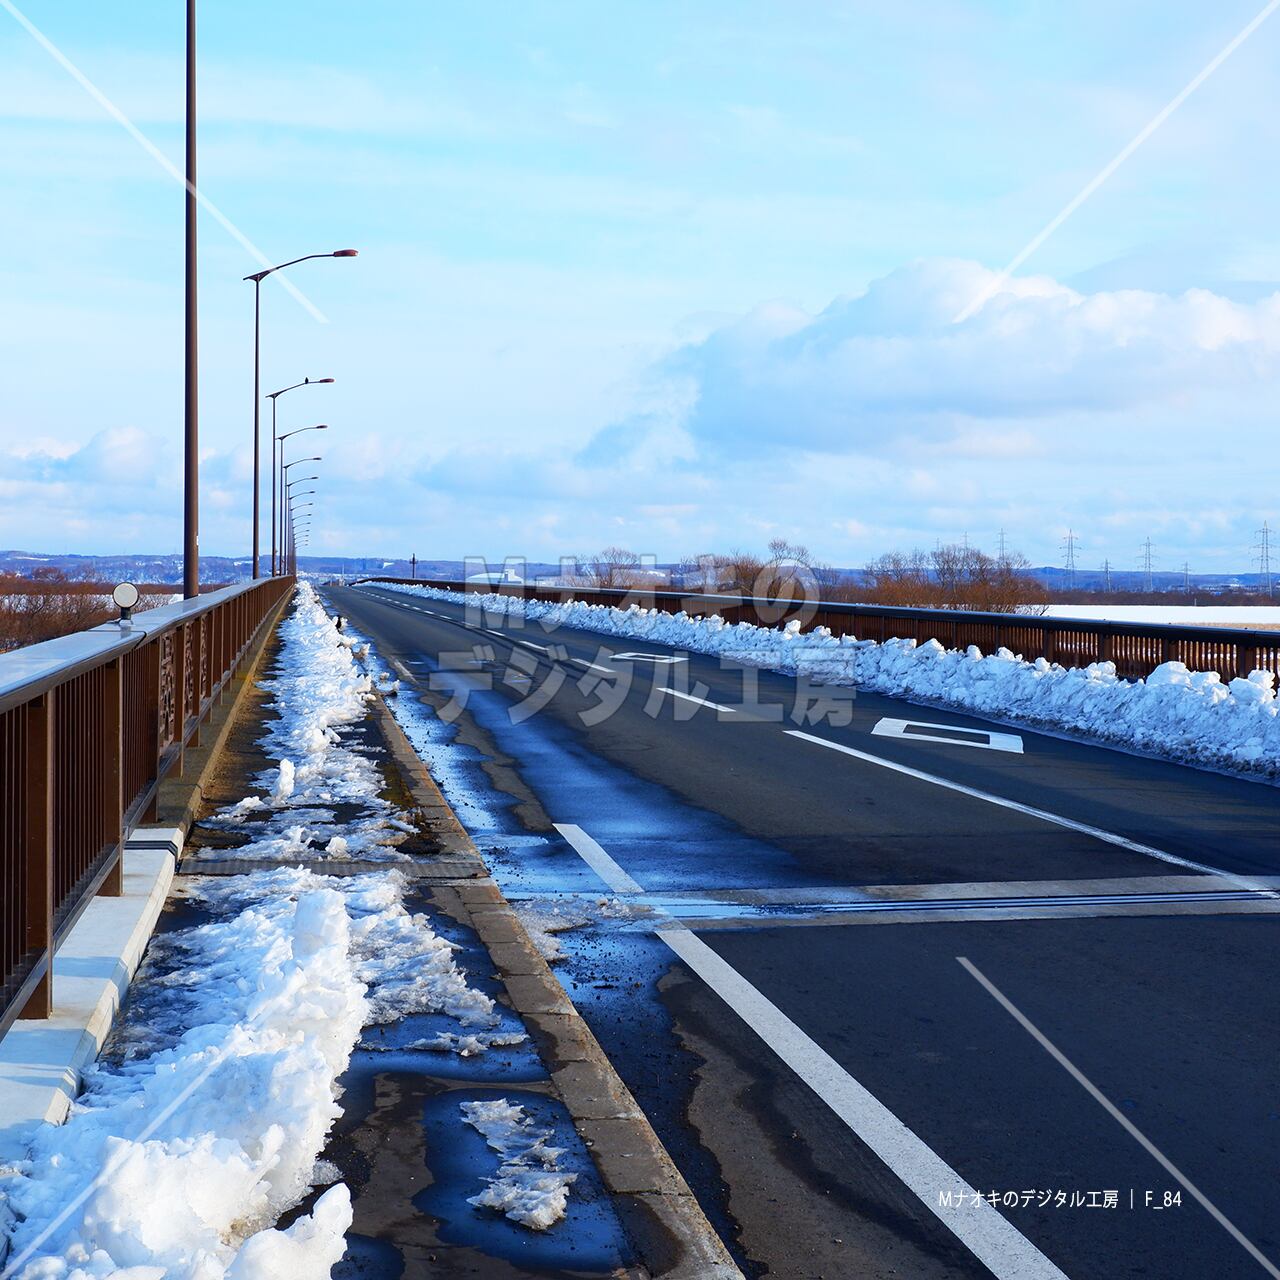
333 933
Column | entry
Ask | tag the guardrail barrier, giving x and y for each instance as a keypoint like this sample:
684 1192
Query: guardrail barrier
89 726
1136 648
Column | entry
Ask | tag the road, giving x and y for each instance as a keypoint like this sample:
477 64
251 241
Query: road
902 1002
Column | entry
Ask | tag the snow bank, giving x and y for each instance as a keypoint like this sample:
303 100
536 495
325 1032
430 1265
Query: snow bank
181 1158
317 690
529 1187
178 1163
1185 715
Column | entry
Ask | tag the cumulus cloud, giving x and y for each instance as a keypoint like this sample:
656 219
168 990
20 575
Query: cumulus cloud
869 366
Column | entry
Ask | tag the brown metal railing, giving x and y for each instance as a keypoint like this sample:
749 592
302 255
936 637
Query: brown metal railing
89 726
1135 648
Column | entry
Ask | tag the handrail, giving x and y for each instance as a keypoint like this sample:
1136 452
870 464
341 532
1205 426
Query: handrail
90 725
30 670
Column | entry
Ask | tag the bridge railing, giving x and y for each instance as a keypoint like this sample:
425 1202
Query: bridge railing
1136 648
90 724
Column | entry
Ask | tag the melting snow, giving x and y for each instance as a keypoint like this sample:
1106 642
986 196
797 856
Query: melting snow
529 1187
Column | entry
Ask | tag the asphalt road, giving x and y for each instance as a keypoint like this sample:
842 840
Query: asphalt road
883 976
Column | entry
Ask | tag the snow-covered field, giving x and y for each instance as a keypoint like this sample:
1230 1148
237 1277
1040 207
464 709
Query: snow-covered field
1182 714
1259 617
185 1148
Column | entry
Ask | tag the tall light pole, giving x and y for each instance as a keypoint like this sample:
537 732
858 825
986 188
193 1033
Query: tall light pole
285 512
279 483
258 277
191 407
273 396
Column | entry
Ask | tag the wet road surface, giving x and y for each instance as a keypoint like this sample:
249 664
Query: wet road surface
867 979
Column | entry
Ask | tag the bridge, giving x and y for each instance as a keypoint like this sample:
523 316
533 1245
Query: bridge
948 995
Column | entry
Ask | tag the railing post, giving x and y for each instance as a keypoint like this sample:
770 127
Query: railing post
113 773
39 848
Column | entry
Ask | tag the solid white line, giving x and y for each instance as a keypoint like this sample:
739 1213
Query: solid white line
403 670
1044 815
999 1245
702 702
1105 1103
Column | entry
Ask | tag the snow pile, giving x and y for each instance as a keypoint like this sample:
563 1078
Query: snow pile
317 690
178 1163
529 1187
181 1157
1175 712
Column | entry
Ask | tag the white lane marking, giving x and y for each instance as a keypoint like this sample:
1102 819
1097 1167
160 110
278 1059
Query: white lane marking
1106 1104
999 1245
596 858
661 659
702 702
1110 837
595 666
403 670
986 739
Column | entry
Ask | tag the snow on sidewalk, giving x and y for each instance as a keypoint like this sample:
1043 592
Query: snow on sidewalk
204 1124
318 690
1182 714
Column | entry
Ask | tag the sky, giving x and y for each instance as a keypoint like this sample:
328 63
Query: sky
677 277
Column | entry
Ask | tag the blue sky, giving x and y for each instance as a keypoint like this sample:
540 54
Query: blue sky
677 276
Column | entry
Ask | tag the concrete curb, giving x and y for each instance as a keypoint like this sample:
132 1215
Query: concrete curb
656 1207
42 1059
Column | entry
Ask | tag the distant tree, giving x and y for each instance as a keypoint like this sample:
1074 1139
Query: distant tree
615 568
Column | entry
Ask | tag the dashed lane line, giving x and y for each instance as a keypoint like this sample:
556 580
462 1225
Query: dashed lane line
995 1241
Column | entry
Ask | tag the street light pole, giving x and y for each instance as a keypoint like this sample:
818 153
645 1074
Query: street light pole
258 277
273 396
191 414
278 483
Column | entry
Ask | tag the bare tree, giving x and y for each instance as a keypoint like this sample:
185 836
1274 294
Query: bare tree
614 567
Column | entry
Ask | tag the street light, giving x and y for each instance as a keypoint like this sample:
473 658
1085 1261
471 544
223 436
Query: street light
191 375
258 277
273 396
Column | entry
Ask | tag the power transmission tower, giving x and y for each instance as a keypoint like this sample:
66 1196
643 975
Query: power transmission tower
1106 576
1186 577
1146 565
1069 550
1263 548
1004 547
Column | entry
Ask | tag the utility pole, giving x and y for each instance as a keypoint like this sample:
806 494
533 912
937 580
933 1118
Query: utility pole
1146 565
1263 548
1069 549
413 565
191 416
